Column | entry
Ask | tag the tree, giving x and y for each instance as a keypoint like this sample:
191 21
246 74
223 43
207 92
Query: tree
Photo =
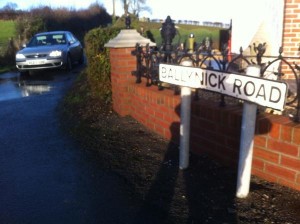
28 25
8 11
138 6
135 6
125 6
10 6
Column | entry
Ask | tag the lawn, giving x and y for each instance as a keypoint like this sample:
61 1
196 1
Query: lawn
183 32
8 30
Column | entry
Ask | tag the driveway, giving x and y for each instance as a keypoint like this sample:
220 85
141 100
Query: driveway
44 175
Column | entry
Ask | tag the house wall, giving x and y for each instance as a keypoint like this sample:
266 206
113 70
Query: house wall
257 22
291 32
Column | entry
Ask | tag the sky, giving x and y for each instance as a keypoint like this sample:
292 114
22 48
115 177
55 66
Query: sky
197 10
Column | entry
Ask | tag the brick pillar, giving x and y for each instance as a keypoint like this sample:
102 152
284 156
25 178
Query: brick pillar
122 65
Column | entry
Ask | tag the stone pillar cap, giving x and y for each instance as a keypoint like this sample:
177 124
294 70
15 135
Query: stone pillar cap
128 38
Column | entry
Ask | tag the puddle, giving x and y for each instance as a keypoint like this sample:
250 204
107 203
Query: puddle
13 86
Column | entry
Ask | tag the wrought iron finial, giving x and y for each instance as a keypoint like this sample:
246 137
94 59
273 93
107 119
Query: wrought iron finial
168 32
280 50
260 51
127 21
241 50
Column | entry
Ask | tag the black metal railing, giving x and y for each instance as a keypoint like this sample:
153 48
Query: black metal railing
203 56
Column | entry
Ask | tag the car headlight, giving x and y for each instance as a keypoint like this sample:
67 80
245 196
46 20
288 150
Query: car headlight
20 57
55 54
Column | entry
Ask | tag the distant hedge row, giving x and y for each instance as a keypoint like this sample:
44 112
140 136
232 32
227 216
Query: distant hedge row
28 23
45 18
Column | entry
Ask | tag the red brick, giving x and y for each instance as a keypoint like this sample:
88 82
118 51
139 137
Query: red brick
260 141
289 35
287 132
288 6
298 179
275 130
296 135
266 155
266 176
258 164
281 172
296 21
164 124
159 114
282 147
293 163
158 129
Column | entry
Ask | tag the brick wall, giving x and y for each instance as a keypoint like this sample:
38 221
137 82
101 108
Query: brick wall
215 130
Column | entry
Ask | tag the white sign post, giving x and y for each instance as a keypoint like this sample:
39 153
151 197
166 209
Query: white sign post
185 117
185 120
246 142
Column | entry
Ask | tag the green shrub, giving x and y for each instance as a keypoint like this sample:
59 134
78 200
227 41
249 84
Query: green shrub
98 69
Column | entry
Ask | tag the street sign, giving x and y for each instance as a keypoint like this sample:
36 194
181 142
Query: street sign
264 92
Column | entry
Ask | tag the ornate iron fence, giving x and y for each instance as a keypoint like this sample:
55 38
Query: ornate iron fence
203 56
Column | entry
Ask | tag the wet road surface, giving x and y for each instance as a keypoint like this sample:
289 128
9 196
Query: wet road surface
44 176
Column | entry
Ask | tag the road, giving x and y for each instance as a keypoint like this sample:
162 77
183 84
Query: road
44 175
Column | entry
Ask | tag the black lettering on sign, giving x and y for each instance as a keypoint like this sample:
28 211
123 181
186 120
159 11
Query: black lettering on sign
163 72
273 89
261 92
221 82
204 79
248 87
210 80
237 86
170 73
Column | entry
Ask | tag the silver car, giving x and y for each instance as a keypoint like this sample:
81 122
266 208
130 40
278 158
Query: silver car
48 50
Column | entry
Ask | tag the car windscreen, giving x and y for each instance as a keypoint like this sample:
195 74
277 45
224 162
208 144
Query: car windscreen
48 39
